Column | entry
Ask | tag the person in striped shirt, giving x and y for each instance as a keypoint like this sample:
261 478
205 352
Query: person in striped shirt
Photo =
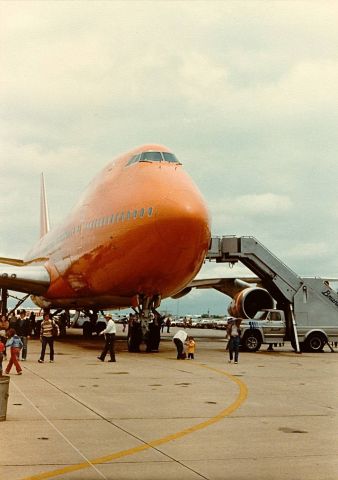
47 337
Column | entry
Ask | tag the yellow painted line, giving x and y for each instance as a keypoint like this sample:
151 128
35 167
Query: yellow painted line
241 397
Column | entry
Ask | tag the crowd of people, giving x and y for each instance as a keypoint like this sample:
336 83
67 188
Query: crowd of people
15 332
17 329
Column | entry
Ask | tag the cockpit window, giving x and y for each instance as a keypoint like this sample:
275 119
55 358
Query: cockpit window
153 157
134 159
170 157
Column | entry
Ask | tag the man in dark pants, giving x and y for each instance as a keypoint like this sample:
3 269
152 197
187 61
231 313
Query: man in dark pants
22 328
179 338
109 333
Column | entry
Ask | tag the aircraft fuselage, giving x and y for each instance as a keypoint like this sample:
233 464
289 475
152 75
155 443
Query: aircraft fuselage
141 229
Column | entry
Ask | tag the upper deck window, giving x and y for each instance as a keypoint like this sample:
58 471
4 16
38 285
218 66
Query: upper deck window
152 156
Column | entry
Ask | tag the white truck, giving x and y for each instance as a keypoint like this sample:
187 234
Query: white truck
269 327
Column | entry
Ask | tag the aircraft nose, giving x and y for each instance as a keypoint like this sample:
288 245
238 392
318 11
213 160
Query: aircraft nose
184 221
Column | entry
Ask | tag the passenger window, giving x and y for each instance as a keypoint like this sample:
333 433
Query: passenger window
150 211
135 214
141 212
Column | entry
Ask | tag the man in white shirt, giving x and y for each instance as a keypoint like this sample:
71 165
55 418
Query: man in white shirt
179 338
109 333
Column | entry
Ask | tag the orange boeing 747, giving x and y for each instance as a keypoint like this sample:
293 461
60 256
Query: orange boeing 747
139 233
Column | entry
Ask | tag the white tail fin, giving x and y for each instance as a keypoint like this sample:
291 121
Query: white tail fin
44 216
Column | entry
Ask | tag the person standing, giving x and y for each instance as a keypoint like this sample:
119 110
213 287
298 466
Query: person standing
12 320
234 335
47 331
124 323
2 349
179 338
4 326
191 344
31 323
168 323
15 344
22 328
109 333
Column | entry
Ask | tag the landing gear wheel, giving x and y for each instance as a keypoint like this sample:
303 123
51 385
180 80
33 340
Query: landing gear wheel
87 330
134 339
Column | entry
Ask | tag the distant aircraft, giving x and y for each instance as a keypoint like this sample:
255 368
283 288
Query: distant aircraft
139 233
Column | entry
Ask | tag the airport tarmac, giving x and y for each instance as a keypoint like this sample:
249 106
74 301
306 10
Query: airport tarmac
274 416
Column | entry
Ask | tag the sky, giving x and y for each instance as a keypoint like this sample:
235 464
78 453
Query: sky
243 92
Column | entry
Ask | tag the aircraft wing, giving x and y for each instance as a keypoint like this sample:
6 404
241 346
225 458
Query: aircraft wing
227 285
32 279
11 261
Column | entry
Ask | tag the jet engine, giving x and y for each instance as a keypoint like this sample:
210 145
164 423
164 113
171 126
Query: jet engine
247 302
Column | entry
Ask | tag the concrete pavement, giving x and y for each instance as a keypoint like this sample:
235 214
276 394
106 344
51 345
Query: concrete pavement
150 416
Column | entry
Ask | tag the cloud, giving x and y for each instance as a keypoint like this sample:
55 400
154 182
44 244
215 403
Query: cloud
245 209
243 92
310 250
262 204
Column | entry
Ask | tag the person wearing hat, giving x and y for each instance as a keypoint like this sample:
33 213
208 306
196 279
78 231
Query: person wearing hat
109 333
234 335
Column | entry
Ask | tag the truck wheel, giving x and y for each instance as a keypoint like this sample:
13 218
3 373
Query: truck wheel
315 342
252 342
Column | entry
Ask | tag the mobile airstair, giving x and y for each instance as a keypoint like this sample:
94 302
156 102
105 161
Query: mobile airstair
310 304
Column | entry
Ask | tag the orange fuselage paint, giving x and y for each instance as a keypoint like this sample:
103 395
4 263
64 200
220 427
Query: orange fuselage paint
138 230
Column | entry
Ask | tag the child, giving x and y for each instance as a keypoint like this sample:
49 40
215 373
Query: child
191 347
2 349
15 344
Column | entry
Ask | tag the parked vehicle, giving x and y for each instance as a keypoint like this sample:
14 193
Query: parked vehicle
221 323
267 326
207 323
88 327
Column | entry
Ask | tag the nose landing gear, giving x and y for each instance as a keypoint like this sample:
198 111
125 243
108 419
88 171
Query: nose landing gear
145 326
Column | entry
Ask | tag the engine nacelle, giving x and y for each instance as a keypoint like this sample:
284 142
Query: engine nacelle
181 293
247 302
